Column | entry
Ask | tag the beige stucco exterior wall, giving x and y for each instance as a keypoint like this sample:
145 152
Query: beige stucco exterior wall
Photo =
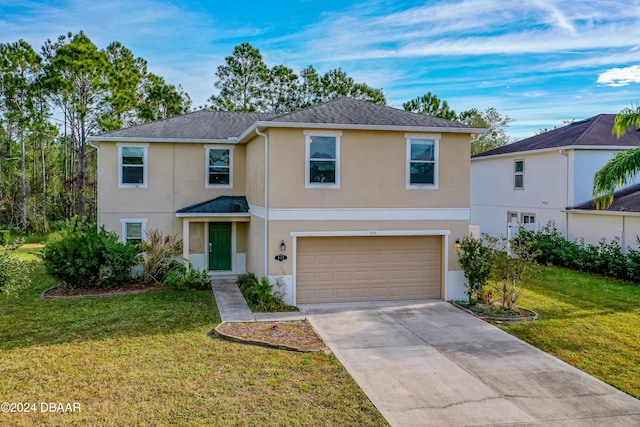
281 230
196 237
372 172
255 171
176 179
255 246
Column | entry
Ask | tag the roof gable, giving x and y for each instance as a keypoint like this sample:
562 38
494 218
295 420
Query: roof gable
595 131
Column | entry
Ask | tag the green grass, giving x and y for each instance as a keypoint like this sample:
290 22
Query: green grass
147 360
589 321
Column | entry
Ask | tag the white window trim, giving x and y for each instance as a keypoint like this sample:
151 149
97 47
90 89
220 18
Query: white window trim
436 160
145 164
307 174
206 166
518 173
523 214
125 221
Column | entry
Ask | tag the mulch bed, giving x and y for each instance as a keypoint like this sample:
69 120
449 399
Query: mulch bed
495 314
296 335
62 291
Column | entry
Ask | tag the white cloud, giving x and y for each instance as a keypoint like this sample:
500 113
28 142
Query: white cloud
616 77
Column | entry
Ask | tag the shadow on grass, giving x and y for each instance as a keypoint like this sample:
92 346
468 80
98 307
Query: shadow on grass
27 320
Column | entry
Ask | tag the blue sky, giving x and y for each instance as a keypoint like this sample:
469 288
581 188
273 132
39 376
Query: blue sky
538 61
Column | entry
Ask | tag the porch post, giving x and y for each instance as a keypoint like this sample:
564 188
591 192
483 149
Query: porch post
185 238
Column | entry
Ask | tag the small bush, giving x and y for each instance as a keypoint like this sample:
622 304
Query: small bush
14 272
476 261
158 252
91 259
5 236
182 278
260 294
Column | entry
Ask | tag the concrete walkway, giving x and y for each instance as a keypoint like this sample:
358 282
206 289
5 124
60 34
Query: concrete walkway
233 307
429 364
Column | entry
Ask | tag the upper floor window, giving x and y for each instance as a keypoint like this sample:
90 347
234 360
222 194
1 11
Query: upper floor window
322 159
518 174
219 167
422 161
132 165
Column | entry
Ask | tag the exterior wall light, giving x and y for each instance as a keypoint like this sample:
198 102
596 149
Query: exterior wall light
457 243
283 247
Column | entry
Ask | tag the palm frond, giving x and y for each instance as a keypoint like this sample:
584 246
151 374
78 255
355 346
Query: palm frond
627 118
615 173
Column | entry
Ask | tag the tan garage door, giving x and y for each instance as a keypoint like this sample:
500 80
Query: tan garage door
341 269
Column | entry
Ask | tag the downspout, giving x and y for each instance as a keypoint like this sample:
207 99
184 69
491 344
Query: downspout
566 193
266 201
97 183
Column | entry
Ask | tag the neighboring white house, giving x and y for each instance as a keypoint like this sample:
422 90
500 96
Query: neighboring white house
539 179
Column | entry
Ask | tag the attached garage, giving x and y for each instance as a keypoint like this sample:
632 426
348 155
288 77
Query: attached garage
371 268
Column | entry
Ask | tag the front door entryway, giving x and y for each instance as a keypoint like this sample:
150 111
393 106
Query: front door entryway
219 246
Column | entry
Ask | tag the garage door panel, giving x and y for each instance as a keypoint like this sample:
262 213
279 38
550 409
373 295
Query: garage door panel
340 269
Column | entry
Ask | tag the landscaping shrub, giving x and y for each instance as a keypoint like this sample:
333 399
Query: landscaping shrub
158 252
608 259
14 272
476 261
91 259
261 295
182 278
4 237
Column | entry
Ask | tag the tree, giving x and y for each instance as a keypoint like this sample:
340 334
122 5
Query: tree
123 78
159 100
247 84
492 120
282 91
19 67
620 170
75 73
430 105
241 81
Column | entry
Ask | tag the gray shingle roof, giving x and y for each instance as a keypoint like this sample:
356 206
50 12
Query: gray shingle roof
352 111
202 124
222 204
222 125
625 200
594 131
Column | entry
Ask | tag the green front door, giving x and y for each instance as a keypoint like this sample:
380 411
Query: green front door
219 246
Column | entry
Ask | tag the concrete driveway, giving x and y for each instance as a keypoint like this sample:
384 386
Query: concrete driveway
427 363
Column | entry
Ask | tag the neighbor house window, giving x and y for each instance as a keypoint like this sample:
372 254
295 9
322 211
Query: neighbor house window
132 165
219 167
518 174
133 229
323 159
422 161
528 218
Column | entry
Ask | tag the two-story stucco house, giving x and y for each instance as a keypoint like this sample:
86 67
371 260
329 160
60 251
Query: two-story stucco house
344 201
539 179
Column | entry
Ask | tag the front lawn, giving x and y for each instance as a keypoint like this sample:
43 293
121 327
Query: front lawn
146 360
589 321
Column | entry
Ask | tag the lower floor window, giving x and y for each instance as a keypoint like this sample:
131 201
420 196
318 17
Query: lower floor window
133 230
528 219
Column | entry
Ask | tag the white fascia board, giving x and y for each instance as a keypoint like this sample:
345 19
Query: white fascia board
370 233
342 126
98 139
598 212
552 150
211 215
370 214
